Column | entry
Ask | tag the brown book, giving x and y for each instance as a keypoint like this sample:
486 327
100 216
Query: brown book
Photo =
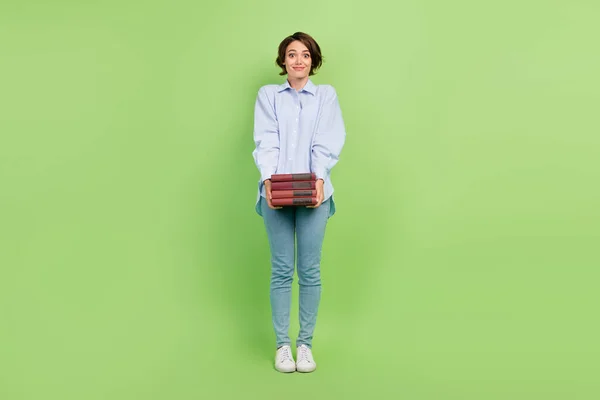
294 201
291 185
278 194
308 176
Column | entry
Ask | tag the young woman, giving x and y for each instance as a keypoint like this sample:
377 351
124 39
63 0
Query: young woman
298 127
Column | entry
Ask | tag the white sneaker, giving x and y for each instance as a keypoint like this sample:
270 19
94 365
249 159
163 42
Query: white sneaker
284 362
305 362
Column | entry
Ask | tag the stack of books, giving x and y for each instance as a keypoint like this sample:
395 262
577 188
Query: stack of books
294 189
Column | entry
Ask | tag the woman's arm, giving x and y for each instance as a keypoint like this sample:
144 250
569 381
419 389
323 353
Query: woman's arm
266 136
329 138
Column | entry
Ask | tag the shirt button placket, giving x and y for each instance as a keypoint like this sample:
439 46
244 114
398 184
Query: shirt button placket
296 125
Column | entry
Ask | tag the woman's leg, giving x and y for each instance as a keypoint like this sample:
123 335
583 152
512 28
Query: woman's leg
310 231
280 225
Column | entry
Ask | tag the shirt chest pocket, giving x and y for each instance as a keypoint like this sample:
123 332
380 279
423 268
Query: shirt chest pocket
309 117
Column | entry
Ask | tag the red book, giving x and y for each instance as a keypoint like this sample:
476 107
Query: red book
308 176
294 201
291 185
278 194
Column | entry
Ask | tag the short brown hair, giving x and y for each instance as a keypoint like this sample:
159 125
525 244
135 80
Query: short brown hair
309 42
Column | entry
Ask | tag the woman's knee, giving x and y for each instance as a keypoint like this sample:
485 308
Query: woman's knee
309 275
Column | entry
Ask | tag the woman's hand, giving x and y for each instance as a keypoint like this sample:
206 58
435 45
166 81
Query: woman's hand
320 193
268 193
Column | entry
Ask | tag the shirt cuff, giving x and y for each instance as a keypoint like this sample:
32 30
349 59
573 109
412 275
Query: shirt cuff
266 174
320 173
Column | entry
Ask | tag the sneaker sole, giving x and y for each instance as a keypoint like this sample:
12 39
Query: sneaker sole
306 370
285 371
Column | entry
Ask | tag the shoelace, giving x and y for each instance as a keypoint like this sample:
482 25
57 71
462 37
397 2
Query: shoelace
303 354
284 354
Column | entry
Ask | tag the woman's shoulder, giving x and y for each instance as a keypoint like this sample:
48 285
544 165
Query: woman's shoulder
325 86
326 90
267 93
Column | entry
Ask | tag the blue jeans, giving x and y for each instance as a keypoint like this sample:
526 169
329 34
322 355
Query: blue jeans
284 227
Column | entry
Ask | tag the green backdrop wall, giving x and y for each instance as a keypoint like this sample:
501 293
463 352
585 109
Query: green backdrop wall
461 262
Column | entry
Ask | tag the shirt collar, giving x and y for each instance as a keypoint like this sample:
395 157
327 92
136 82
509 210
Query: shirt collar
310 87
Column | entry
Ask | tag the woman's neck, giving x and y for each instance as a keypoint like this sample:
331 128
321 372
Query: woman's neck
298 83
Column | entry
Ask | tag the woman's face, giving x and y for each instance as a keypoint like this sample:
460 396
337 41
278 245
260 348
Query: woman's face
297 60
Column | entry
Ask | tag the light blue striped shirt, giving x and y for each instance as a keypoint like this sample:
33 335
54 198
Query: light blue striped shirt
297 131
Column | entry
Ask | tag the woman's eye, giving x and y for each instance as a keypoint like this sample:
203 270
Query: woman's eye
306 55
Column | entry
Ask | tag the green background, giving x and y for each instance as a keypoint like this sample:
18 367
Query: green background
462 262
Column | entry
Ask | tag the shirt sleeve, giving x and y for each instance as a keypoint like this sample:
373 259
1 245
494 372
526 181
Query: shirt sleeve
329 138
266 136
